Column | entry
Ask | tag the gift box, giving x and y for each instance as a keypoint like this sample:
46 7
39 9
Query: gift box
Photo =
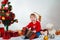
57 32
20 33
6 35
15 34
11 33
1 31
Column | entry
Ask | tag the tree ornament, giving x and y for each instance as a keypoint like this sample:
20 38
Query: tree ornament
4 1
3 18
46 37
7 14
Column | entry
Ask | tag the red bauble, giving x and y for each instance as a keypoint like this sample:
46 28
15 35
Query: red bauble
5 8
8 18
12 15
4 2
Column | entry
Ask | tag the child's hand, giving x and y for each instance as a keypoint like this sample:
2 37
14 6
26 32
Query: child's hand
34 31
29 28
41 32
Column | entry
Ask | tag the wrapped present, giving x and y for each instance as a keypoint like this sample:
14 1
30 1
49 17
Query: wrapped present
1 31
11 33
15 34
6 35
57 32
20 33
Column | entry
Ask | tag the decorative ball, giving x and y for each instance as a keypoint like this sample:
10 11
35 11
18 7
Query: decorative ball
11 21
8 18
2 11
4 1
7 14
3 18
45 37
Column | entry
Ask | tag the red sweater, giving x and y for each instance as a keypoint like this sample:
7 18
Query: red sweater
36 26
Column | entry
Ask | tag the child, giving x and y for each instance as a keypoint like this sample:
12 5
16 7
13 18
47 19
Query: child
34 25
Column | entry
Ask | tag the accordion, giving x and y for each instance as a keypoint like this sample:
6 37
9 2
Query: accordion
28 33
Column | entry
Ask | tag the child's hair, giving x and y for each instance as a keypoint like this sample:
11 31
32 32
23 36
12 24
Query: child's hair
32 15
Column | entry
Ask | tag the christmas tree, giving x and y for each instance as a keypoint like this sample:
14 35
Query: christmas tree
6 15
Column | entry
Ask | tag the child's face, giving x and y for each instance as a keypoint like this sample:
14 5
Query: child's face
33 18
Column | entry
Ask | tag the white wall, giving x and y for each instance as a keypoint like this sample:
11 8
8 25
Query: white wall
48 9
